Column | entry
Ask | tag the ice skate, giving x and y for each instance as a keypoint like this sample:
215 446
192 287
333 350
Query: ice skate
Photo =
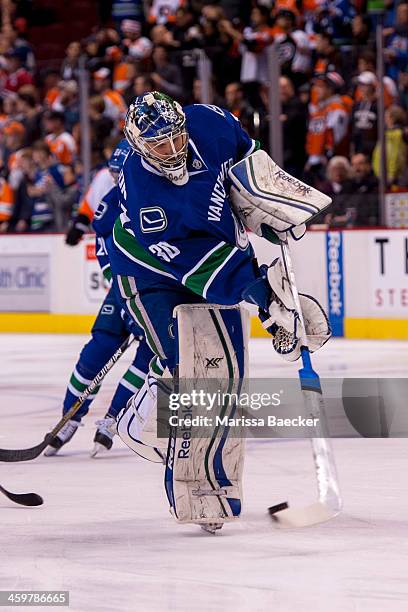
103 439
63 436
211 527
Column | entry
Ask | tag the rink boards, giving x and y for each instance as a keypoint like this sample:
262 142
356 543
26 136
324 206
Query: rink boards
360 276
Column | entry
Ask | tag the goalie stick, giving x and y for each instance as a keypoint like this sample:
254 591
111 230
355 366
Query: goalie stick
24 499
329 503
27 454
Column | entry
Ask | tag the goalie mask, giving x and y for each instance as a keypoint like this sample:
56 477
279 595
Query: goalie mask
155 127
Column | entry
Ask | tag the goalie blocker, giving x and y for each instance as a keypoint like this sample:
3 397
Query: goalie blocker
266 198
204 468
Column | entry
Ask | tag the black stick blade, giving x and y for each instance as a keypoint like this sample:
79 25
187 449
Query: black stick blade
24 454
24 499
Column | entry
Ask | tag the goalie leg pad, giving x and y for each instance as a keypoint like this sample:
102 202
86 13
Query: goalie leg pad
136 424
204 473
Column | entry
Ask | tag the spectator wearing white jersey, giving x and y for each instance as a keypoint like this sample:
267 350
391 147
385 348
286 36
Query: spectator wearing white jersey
138 47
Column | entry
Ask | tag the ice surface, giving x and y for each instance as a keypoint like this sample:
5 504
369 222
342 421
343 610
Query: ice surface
105 534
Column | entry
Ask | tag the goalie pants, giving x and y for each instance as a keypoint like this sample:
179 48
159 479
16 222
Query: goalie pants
108 333
151 307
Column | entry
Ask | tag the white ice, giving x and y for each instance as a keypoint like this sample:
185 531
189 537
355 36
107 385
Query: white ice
104 532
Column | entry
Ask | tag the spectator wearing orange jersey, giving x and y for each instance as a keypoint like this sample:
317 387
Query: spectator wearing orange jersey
122 71
50 86
115 107
367 63
13 137
6 201
328 127
390 89
327 56
68 103
21 167
61 142
310 6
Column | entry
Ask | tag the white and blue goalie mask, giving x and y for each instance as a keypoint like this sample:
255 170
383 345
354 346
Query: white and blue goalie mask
155 127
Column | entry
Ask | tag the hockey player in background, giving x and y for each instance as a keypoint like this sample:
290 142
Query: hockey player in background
111 327
177 241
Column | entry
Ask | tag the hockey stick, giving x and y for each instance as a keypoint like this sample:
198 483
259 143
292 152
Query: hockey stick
329 503
24 499
27 454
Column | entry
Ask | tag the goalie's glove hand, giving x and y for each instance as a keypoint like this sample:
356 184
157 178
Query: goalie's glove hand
79 226
278 314
281 318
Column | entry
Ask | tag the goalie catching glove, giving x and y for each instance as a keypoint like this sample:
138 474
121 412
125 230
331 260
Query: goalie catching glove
279 316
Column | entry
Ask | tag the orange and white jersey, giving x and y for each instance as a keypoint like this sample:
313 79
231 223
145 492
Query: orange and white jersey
121 77
390 92
99 187
141 48
62 146
328 129
51 95
311 6
115 107
6 200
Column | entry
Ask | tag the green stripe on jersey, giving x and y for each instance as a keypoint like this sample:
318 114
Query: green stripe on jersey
107 272
198 278
144 324
129 245
124 286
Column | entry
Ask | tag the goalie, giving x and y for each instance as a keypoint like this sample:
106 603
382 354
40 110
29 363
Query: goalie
181 240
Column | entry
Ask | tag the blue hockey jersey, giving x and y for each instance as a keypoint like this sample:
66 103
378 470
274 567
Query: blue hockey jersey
189 233
104 219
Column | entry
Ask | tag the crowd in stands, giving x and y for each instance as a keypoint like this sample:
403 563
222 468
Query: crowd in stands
328 89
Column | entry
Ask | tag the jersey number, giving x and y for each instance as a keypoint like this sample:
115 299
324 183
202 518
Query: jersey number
101 210
101 248
164 250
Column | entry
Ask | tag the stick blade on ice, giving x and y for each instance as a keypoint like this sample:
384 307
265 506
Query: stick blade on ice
23 499
292 518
